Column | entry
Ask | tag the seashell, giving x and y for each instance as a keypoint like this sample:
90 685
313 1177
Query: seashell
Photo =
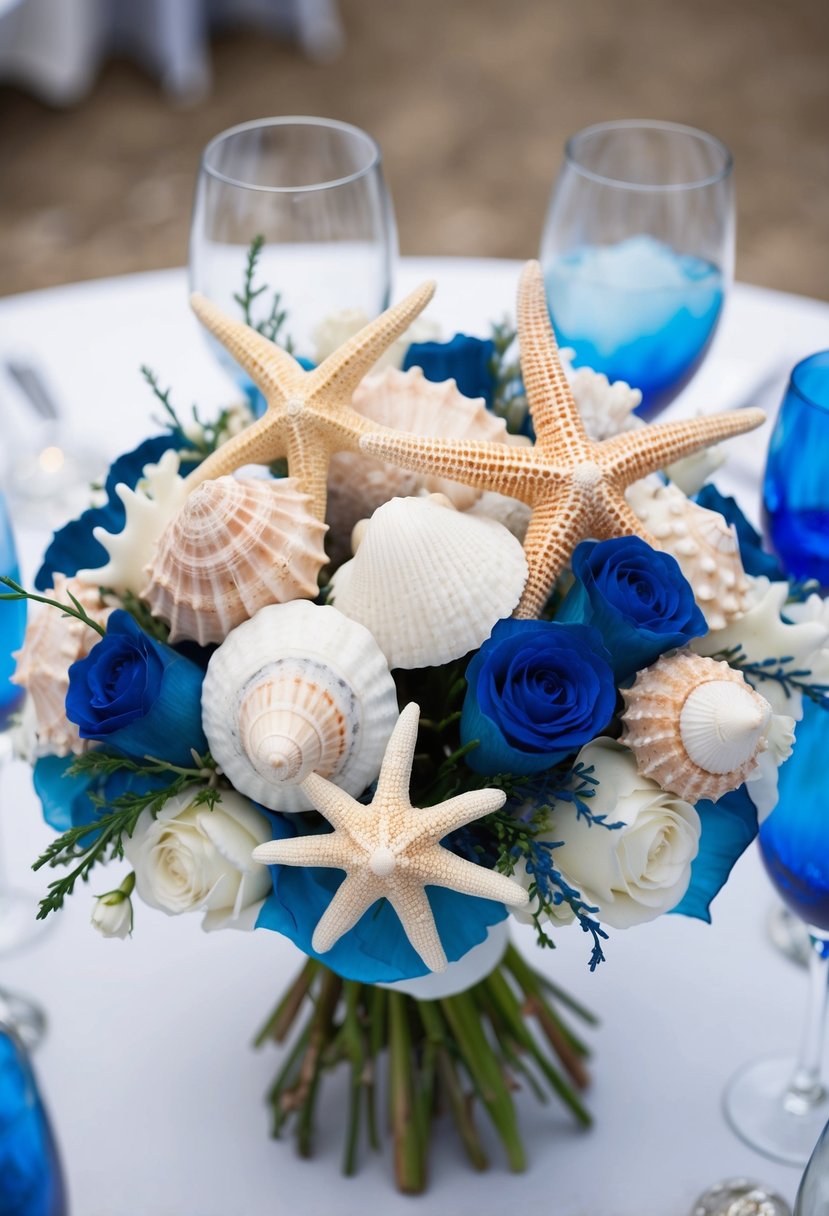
53 642
703 544
298 689
234 547
430 582
606 407
514 515
406 401
695 726
335 330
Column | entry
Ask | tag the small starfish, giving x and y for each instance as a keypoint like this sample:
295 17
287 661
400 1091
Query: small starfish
575 486
309 414
391 850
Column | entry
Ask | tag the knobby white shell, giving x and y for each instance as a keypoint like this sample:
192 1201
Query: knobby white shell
53 642
234 546
430 582
695 726
703 544
298 689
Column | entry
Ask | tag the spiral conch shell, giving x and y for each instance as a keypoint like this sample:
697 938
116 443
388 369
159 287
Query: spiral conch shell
695 726
703 544
234 547
298 689
53 642
430 582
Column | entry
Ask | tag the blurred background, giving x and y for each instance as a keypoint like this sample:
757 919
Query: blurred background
101 126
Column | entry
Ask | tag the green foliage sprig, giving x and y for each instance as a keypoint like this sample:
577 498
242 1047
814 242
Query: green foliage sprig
205 436
271 326
509 400
77 610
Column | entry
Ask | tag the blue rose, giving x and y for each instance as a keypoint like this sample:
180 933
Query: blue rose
137 695
73 547
376 950
538 690
467 361
638 599
755 559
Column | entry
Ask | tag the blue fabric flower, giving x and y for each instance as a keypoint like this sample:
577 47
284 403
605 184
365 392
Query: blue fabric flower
66 798
637 598
466 360
376 950
538 690
756 560
137 695
728 828
73 547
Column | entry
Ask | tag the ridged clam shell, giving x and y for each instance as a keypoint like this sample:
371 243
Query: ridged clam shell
234 546
695 726
405 401
430 582
298 689
52 643
703 544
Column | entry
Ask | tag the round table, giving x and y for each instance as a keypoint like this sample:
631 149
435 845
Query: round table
155 1091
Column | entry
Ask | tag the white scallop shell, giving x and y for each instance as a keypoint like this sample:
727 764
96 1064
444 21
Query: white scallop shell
234 547
703 544
695 726
53 642
430 582
298 689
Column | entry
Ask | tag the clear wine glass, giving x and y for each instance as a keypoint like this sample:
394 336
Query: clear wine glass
638 252
313 190
813 1192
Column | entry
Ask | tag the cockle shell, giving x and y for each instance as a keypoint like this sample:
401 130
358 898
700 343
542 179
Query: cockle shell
695 726
233 547
430 582
701 541
53 642
405 401
298 689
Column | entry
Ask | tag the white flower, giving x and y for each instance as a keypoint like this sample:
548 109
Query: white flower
333 331
112 913
190 858
638 871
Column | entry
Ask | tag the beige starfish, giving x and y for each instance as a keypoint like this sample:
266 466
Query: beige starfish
391 850
309 414
575 486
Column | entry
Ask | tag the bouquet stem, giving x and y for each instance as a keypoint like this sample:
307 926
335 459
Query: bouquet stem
459 1054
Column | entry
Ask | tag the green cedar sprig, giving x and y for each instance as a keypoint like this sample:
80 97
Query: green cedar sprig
77 610
271 326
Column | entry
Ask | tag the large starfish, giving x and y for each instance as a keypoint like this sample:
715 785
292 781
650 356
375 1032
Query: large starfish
309 414
391 850
575 485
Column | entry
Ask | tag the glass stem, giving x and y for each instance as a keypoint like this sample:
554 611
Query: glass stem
805 1088
5 756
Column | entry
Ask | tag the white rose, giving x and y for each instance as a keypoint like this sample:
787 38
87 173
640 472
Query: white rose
112 914
191 858
638 871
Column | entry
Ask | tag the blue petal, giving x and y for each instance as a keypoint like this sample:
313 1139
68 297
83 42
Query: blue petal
376 950
466 360
728 828
65 798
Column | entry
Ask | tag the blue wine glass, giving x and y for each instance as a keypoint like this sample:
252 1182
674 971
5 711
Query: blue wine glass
638 252
31 1182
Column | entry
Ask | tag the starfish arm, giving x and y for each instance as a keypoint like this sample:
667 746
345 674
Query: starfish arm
409 900
353 897
555 415
331 851
435 822
510 469
615 517
342 371
259 443
556 527
308 460
635 453
440 868
339 808
270 367
396 770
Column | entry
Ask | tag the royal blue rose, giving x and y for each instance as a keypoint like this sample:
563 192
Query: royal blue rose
137 695
466 360
538 690
638 599
754 557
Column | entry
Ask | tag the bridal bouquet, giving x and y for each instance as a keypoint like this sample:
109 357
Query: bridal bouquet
392 661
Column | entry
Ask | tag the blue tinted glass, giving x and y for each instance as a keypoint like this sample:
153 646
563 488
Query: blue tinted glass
12 619
30 1177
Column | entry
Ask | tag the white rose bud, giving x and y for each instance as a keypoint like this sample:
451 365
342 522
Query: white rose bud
190 858
635 872
112 913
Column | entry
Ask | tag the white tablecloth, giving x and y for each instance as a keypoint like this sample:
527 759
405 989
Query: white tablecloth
156 1094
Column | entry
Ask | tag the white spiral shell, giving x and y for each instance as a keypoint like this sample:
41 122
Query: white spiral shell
430 582
298 689
234 546
695 726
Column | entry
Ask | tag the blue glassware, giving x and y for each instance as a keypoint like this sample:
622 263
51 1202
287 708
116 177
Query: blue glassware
638 252
796 483
12 621
31 1182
